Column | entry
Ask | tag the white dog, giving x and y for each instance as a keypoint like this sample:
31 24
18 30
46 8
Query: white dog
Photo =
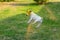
34 17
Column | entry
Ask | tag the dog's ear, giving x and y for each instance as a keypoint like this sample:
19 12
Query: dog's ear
29 12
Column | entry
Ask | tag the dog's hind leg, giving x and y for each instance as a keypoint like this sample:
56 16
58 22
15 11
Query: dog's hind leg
35 21
39 23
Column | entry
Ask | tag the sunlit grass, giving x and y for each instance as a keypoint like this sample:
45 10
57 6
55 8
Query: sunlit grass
12 11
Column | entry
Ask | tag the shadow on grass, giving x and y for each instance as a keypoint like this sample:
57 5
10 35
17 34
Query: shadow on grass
13 27
33 4
20 18
24 4
55 8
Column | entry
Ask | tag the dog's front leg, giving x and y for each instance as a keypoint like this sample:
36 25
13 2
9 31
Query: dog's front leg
34 22
30 20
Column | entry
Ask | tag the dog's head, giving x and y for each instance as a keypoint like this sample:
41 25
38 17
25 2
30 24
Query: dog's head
28 12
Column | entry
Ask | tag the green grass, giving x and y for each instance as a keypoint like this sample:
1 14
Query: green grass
13 22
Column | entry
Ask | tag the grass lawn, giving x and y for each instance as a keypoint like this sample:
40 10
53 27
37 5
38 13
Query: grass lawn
13 22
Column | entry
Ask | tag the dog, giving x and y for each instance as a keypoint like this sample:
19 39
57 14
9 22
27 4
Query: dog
34 17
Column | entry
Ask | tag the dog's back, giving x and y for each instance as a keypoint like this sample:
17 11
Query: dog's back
35 16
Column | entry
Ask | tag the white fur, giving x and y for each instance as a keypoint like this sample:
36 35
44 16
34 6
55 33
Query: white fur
35 19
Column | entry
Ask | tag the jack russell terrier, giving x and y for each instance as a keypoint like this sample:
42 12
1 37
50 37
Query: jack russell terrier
34 17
